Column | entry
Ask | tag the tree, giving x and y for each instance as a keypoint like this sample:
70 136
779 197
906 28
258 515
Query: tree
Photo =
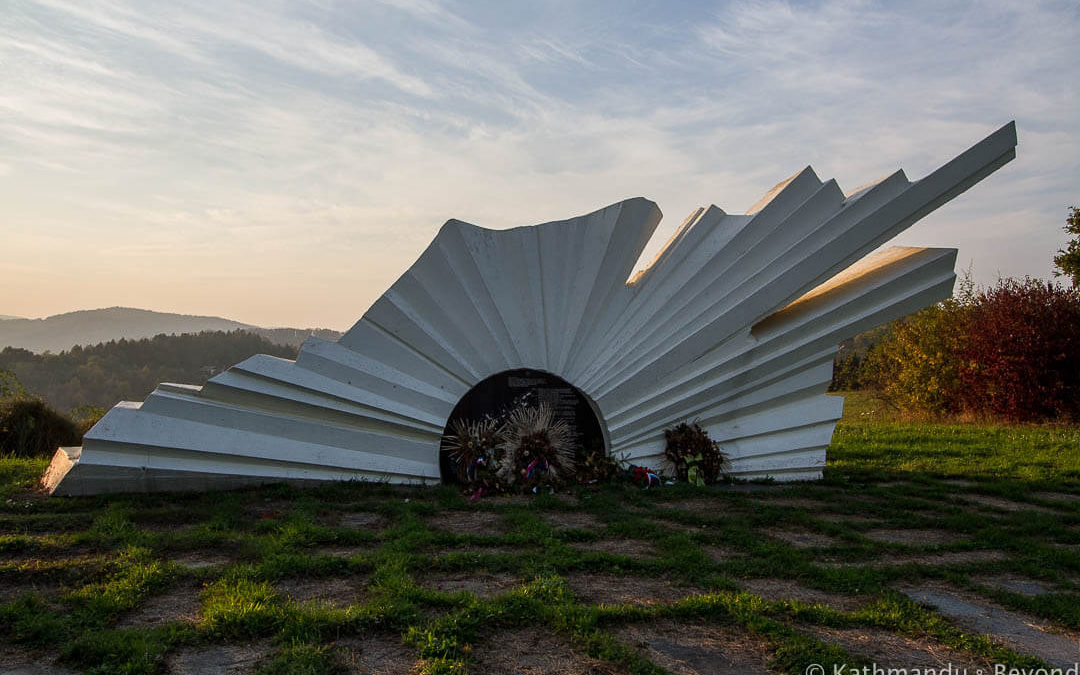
1068 259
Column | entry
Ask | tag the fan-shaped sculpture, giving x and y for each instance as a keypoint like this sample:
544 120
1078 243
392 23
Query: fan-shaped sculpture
734 324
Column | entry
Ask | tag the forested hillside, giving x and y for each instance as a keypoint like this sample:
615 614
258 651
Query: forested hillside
128 370
90 327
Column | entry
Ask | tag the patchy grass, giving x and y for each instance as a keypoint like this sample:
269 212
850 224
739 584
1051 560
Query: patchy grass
874 441
606 579
20 475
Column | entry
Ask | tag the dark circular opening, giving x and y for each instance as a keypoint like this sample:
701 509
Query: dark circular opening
499 394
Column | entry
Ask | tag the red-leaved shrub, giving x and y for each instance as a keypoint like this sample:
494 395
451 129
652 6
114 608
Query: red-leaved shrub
1020 355
1011 351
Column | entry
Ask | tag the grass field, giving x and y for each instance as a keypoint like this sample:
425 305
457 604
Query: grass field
741 579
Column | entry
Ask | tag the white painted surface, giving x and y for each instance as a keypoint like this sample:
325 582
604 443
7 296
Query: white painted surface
735 324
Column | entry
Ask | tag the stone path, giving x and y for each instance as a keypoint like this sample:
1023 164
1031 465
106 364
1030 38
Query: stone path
1016 631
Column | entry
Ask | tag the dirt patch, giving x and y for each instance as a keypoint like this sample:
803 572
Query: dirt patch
344 551
362 520
509 500
532 651
944 558
847 518
9 589
801 538
18 661
376 655
912 537
178 604
719 554
682 527
779 590
573 521
609 589
42 547
751 487
633 548
699 506
200 560
1057 496
335 591
1013 584
693 649
480 584
268 509
1023 633
218 659
959 482
792 502
476 551
469 522
887 649
1002 504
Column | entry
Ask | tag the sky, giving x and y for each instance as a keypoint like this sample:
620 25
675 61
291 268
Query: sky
282 163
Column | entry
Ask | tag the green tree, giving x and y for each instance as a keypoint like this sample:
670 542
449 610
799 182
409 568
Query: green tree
9 384
1067 260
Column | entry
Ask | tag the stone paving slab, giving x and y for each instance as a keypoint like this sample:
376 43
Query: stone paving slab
801 538
778 590
230 659
468 522
610 589
35 669
480 584
1002 504
18 661
535 651
1014 584
376 655
697 649
1017 631
890 650
632 548
921 537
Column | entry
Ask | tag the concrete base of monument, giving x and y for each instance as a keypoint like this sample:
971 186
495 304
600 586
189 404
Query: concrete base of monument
68 476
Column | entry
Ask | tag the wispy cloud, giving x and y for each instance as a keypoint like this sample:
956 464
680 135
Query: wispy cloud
287 145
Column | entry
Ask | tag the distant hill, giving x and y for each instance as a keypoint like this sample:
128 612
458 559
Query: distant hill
90 327
5 317
103 374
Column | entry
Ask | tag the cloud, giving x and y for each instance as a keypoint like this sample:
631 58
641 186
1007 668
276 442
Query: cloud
319 141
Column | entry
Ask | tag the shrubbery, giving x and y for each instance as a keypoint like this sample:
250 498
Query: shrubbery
1010 351
30 428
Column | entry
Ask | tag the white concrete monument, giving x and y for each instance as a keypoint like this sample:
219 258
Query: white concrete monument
734 324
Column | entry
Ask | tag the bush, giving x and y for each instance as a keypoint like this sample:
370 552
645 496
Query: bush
696 458
915 365
1011 351
1020 356
30 428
